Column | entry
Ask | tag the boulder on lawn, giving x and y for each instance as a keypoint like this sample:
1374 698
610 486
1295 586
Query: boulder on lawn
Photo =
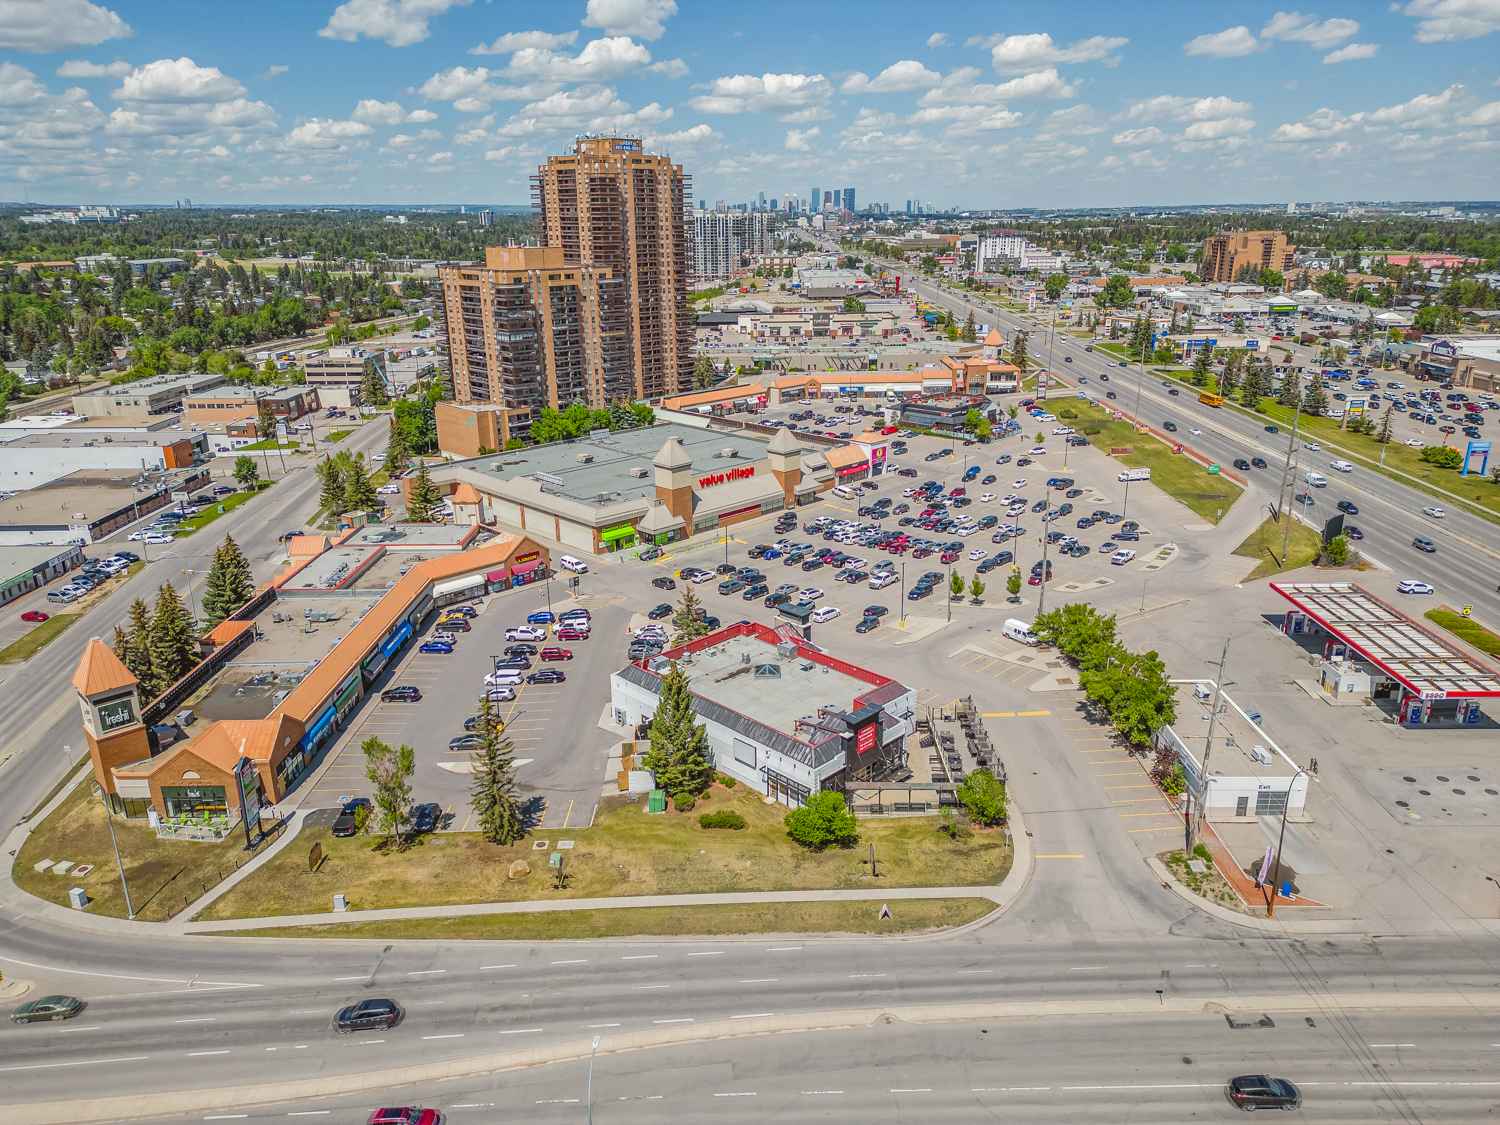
520 869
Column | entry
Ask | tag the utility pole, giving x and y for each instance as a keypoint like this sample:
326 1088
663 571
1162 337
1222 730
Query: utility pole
109 818
1288 477
1280 839
1208 745
1041 605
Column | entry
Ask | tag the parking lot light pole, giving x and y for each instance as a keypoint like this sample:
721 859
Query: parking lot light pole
903 590
1280 839
109 818
592 1051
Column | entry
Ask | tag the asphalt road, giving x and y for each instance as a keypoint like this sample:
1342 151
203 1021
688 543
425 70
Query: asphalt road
1468 554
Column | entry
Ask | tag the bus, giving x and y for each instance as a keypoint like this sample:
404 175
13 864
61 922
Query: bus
1211 399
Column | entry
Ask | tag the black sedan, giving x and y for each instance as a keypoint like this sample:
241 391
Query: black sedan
1241 463
1171 427
367 1015
1261 1091
1348 507
1258 462
876 611
403 693
663 610
547 676
867 625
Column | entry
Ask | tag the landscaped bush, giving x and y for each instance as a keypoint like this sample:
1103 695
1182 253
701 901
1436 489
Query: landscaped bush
684 802
725 819
725 780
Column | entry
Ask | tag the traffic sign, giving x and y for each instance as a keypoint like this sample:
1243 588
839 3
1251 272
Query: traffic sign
1467 610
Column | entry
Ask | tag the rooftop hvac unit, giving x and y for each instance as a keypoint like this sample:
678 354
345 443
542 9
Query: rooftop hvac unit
640 472
1260 754
729 452
658 664
786 649
806 665
744 658
686 657
603 497
584 458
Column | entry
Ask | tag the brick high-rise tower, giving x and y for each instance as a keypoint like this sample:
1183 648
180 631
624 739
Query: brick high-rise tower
609 204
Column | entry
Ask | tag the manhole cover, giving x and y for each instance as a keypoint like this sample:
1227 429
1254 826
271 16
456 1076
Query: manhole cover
1440 777
1403 804
1460 792
1473 778
1425 792
1408 779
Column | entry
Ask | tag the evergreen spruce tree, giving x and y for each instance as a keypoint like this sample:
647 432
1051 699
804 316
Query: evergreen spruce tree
135 653
173 639
331 494
359 493
679 746
397 451
423 496
1018 351
1203 367
228 585
685 623
620 415
1291 390
493 797
1253 388
970 332
372 389
1315 401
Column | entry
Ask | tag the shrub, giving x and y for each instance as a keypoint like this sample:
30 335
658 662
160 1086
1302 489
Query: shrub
824 820
725 780
684 802
723 819
361 819
1443 456
983 797
1202 852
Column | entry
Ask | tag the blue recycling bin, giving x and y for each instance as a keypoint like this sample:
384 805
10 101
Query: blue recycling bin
1286 889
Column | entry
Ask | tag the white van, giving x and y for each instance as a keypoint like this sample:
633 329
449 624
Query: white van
1315 480
577 566
1342 466
843 492
505 677
1018 630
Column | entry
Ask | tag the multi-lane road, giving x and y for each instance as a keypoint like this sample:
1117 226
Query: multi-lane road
1467 561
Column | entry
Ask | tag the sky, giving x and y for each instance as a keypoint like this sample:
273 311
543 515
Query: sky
971 105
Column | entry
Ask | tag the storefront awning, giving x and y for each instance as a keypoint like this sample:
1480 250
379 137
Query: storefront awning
395 640
610 534
527 567
454 585
496 575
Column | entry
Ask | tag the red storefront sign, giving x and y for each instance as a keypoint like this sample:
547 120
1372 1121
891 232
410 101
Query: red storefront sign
528 557
861 467
732 474
866 738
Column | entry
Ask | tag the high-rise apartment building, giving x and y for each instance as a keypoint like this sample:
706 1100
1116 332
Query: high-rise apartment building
486 218
848 199
829 204
530 330
815 200
721 242
1227 253
616 208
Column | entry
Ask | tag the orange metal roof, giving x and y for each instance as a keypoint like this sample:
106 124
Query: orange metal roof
306 546
719 394
101 670
312 693
465 494
226 631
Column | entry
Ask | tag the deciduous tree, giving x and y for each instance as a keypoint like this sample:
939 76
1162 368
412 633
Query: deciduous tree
983 797
825 821
390 773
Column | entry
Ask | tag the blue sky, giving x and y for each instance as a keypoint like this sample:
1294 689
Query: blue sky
969 104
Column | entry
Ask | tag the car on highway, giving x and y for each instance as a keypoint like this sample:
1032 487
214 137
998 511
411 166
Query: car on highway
1353 532
1258 462
1261 1091
368 1015
663 610
525 633
444 648
1273 429
1422 543
1435 513
48 1008
1108 394
401 693
1412 586
35 615
547 676
1241 463
1348 507
1171 427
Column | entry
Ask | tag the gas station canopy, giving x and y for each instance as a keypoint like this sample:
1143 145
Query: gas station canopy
1425 664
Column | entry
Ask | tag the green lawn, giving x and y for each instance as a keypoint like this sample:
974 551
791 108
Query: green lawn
627 852
907 915
1209 495
1265 544
337 435
36 640
228 503
1471 631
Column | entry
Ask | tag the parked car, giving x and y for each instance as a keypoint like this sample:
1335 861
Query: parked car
345 824
435 647
554 653
34 615
542 617
402 693
867 624
664 583
525 633
572 633
368 1015
425 818
546 676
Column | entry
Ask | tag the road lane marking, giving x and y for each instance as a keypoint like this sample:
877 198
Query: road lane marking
752 1016
714 953
640 986
308 1112
1059 857
94 1028
593 1025
455 1035
641 957
970 971
854 976
737 1094
672 1021
198 1019
760 980
580 961
81 1062
1393 1044
521 1031
483 967
782 948
196 1054
360 977
425 972
914 1090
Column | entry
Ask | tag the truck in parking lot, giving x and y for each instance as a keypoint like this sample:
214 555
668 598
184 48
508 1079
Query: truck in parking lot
1134 474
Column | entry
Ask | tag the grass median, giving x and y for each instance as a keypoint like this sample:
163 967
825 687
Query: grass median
228 503
36 640
907 916
1467 629
627 852
1265 544
1209 495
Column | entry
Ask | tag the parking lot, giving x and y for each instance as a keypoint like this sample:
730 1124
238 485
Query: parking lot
559 749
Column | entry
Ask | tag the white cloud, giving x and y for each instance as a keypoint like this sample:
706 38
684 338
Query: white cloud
641 18
899 77
1423 110
601 60
1227 44
867 119
177 80
1214 130
1307 29
515 40
669 68
43 26
1187 109
803 116
1443 20
968 120
1148 136
938 39
1353 51
271 72
403 142
800 140
374 112
696 137
591 108
399 22
1146 159
81 68
959 88
1484 115
793 94
471 91
1021 54
18 85
328 136
1075 121
1319 126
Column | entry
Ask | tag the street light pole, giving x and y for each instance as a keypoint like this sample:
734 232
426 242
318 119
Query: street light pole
109 818
1196 826
1280 839
592 1052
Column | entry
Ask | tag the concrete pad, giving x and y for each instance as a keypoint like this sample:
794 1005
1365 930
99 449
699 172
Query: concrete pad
918 628
1433 796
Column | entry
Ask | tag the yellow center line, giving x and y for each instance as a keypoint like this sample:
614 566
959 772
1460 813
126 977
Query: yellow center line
997 715
1025 714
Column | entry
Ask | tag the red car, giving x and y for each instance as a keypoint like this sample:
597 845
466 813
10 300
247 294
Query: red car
568 633
405 1115
948 557
960 491
34 615
887 431
556 654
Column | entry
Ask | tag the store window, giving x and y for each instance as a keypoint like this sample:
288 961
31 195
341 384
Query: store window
197 800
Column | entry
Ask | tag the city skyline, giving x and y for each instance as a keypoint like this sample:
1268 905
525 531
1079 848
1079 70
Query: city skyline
388 101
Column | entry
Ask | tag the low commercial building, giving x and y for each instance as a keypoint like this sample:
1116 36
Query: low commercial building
225 404
86 506
1464 361
660 483
471 429
340 366
785 718
943 413
155 395
39 459
23 569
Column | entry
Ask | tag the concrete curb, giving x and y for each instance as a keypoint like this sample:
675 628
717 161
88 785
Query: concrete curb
181 1103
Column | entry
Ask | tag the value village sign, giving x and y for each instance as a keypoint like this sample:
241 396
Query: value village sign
733 474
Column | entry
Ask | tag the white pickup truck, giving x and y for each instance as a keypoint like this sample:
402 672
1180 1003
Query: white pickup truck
1122 556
